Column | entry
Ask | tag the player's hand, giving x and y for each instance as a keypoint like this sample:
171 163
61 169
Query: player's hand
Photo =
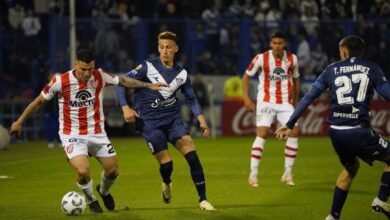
156 86
16 128
283 132
129 114
249 105
206 130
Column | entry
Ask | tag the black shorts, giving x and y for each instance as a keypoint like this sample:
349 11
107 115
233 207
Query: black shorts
364 143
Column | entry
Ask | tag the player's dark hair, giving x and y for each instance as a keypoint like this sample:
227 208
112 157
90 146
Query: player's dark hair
278 34
354 45
167 35
85 55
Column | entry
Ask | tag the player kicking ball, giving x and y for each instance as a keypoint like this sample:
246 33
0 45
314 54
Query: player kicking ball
82 122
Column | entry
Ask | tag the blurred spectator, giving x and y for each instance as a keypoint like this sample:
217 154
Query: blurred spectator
303 54
210 17
232 88
16 16
51 121
319 60
31 27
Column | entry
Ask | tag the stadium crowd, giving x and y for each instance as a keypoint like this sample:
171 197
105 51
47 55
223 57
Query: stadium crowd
216 37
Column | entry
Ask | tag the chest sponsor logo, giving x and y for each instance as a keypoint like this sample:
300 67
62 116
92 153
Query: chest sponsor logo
278 74
167 102
83 99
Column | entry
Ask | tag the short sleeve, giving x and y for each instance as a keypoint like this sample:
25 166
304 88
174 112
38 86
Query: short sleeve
139 72
109 79
295 70
52 88
257 62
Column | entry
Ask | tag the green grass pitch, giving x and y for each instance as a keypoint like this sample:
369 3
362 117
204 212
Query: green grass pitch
41 176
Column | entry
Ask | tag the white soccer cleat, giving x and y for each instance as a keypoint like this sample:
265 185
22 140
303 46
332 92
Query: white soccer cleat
204 205
287 179
381 206
252 181
330 217
167 192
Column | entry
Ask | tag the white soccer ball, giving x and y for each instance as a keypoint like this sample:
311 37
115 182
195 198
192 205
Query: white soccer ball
5 138
73 203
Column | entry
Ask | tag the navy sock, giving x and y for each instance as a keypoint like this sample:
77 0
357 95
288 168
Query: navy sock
166 171
197 174
384 189
339 198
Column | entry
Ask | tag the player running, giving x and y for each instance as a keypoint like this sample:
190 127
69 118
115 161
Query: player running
351 84
158 115
82 122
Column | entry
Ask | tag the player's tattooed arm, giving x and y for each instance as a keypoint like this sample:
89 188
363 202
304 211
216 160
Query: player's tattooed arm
136 84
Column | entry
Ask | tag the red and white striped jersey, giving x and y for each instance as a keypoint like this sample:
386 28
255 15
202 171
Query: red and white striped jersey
275 76
80 103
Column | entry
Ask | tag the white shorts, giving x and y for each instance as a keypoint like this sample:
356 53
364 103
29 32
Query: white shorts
266 112
90 145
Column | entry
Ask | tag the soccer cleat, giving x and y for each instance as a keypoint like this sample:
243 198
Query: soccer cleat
287 179
253 181
380 206
330 217
167 192
107 199
204 205
95 207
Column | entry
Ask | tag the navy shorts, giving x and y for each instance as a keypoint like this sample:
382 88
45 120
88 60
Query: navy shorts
157 138
364 143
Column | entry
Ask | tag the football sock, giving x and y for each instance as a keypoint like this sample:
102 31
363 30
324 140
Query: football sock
384 189
87 189
290 152
339 198
105 183
256 154
197 174
166 171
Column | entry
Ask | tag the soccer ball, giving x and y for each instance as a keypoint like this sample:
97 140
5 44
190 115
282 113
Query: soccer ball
73 203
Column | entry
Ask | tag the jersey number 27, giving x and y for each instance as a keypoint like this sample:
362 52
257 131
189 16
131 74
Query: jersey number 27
344 83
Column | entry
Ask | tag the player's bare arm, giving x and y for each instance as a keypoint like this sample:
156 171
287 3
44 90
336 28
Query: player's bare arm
203 125
136 84
248 103
38 102
297 88
129 114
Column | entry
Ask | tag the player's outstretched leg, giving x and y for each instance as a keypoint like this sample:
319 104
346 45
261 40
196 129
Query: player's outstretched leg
104 187
166 172
290 153
87 189
256 155
108 200
199 180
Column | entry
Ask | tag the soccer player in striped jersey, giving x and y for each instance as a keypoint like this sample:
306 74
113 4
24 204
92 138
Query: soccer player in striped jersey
159 119
82 122
278 92
351 83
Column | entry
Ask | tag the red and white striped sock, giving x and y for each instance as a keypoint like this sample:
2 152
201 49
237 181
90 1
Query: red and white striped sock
256 154
290 153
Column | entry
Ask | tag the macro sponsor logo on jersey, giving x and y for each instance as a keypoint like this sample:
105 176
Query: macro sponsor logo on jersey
160 103
83 99
278 74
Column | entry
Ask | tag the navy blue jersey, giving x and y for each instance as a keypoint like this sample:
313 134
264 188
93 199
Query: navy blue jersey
351 84
157 108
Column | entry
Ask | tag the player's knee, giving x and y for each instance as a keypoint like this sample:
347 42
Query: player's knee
112 172
83 172
353 169
263 133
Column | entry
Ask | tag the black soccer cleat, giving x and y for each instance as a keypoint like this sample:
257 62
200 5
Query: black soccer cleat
107 199
380 206
95 207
